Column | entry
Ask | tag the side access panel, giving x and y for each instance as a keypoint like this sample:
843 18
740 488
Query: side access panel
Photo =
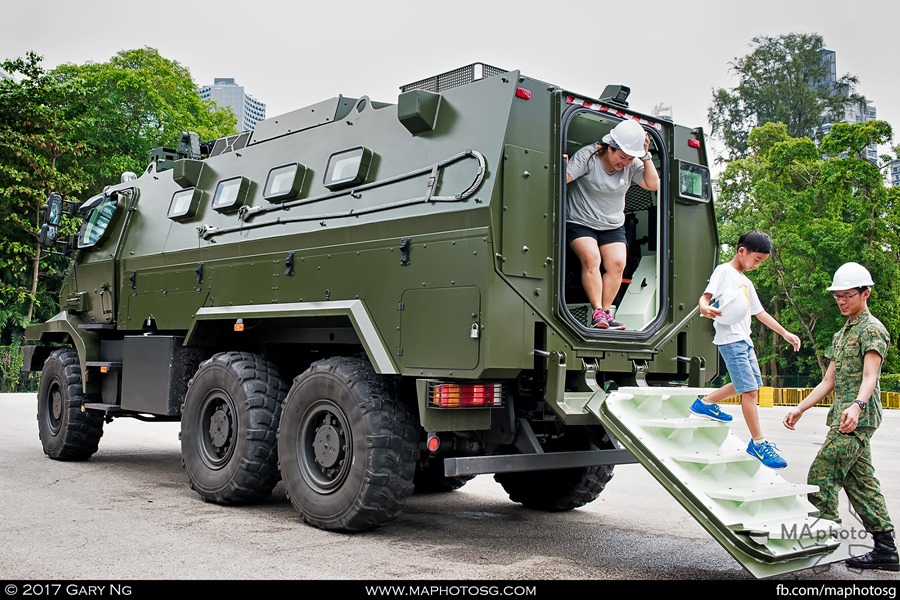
765 522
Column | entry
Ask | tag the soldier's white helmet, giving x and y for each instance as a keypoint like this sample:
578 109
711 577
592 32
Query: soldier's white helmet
628 136
851 275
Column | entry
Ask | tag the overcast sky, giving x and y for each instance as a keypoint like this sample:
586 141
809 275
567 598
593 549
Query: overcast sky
292 54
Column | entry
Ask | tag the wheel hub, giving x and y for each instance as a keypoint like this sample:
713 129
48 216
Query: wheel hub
219 429
327 445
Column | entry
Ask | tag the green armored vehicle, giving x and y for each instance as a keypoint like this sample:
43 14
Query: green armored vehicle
362 300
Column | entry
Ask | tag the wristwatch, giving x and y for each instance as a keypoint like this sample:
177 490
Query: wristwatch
647 156
862 405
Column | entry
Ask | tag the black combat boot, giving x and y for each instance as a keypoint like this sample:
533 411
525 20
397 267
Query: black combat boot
883 555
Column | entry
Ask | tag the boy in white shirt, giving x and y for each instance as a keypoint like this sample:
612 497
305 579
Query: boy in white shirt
731 299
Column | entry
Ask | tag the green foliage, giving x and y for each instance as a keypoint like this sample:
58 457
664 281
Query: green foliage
135 102
821 211
779 81
74 130
890 382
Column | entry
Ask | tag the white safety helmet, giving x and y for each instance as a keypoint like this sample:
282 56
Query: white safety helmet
733 306
628 136
851 275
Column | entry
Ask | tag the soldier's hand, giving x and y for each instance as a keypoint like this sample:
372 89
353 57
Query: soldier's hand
850 419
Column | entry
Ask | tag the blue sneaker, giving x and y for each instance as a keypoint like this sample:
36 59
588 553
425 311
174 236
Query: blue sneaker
709 411
767 453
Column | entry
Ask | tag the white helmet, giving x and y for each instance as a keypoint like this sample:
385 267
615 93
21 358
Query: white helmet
851 275
629 136
734 307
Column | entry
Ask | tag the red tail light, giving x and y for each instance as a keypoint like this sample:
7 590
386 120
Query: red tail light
465 395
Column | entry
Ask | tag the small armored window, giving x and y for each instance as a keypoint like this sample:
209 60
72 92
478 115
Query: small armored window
97 223
284 183
694 182
231 194
184 204
346 168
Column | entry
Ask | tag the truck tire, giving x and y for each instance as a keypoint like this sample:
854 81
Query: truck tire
347 446
562 489
66 432
430 478
229 424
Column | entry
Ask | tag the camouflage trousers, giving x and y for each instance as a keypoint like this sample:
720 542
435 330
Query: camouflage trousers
845 461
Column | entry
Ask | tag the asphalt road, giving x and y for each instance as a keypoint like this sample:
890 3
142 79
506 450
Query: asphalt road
129 514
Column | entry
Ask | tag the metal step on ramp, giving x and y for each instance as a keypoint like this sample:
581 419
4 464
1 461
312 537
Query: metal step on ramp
765 522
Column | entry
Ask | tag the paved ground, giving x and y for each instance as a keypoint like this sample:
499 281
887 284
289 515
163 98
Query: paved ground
128 514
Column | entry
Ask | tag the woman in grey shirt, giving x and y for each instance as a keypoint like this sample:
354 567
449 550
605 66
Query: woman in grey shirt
598 176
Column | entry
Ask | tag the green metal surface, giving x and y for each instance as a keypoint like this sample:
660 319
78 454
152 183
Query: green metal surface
765 522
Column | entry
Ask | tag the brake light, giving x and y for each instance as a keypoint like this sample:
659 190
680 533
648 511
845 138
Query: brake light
465 395
523 93
694 143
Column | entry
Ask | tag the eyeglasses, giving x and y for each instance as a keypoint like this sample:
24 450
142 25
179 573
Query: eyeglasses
847 297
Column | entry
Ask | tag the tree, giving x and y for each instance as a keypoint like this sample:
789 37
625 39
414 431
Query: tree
782 80
823 206
74 130
38 153
138 101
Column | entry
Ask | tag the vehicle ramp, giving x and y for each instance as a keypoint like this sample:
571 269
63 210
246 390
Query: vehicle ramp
764 521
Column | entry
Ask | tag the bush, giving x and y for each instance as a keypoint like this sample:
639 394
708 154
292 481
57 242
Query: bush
890 382
12 379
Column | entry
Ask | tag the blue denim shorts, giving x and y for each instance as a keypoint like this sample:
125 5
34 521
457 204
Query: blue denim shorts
743 368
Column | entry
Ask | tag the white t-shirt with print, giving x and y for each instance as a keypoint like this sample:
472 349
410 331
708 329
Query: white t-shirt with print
727 284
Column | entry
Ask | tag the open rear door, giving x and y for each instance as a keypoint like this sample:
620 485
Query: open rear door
764 521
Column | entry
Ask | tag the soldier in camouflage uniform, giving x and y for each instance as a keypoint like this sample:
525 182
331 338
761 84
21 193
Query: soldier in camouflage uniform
845 459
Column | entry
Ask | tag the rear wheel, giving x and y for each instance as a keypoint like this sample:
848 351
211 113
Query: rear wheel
430 478
347 446
66 432
562 489
229 424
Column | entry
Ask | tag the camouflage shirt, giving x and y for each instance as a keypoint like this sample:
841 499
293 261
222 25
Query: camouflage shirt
848 348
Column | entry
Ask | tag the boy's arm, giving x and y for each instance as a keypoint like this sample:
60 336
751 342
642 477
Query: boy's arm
705 309
770 322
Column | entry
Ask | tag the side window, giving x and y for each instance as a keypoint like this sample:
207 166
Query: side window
694 182
97 223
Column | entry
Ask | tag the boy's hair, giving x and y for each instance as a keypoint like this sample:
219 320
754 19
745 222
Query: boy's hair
756 241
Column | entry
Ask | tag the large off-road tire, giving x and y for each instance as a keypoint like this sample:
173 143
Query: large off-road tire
562 489
430 478
347 446
229 425
66 432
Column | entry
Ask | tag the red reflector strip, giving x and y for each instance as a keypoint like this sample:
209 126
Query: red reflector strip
694 143
613 111
523 93
466 395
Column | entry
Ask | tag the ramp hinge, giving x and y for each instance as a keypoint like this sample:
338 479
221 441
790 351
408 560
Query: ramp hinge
640 372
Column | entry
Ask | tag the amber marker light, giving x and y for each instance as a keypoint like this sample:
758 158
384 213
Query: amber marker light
239 325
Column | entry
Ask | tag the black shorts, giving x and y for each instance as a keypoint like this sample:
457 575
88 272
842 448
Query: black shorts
609 236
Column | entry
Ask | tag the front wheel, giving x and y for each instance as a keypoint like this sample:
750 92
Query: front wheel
347 446
229 424
66 431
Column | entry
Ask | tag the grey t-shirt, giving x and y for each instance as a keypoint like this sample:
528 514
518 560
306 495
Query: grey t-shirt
595 198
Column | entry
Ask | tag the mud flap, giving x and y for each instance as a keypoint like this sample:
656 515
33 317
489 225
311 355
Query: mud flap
765 522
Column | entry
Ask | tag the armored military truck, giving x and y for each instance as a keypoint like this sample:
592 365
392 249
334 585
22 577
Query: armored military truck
362 300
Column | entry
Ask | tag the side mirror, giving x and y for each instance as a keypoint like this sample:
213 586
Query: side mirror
52 215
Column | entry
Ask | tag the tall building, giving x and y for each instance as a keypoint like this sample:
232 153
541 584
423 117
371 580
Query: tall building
894 173
248 110
854 113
